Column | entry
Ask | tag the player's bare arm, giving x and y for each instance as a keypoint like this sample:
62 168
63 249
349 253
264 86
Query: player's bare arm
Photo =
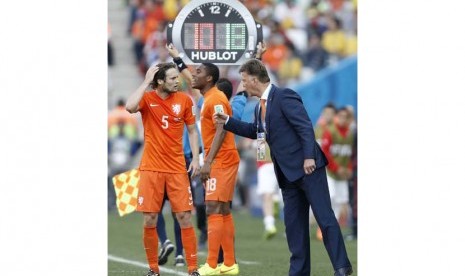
132 104
174 53
215 147
194 167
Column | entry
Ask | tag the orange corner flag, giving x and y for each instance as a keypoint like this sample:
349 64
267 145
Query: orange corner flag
126 188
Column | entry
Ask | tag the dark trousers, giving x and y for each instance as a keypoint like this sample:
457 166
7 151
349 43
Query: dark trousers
353 202
311 190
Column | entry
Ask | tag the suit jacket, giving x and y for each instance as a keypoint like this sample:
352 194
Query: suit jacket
289 132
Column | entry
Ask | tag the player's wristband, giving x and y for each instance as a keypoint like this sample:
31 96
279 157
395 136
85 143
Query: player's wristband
242 93
179 63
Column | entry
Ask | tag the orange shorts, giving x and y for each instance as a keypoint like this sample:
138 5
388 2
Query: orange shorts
152 187
220 186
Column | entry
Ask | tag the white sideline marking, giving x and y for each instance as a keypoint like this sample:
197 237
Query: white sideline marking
167 270
143 265
239 261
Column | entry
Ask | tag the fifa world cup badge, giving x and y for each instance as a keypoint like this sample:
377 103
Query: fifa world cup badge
219 108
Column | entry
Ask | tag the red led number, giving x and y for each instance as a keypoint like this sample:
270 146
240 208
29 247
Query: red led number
206 36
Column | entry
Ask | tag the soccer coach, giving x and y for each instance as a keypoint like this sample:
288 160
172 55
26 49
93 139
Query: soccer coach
299 166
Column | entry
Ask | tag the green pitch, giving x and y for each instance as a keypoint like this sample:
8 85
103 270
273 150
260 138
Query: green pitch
256 257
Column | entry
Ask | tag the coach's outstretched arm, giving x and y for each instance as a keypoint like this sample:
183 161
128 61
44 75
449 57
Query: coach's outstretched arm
238 127
132 104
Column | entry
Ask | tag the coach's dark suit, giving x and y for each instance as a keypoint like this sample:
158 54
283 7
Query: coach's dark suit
289 133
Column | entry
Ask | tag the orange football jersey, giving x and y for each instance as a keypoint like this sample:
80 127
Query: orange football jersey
227 155
163 128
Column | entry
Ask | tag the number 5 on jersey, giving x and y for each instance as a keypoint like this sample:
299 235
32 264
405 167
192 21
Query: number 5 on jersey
164 121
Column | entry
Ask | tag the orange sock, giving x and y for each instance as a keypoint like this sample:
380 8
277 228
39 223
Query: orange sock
189 242
227 242
151 247
215 232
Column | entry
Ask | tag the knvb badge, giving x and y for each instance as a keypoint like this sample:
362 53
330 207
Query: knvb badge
176 108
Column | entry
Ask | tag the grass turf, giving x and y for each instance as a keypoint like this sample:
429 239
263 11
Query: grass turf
269 257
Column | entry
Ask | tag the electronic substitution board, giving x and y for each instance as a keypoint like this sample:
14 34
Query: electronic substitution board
221 32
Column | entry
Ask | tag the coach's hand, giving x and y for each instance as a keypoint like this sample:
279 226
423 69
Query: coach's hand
194 167
220 118
309 166
205 172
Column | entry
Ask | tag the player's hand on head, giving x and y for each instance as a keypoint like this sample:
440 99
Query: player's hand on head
151 72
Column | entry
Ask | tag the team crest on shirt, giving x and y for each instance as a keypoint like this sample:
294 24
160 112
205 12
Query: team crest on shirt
176 108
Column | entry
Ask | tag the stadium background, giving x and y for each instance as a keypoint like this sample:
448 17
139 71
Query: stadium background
302 54
54 143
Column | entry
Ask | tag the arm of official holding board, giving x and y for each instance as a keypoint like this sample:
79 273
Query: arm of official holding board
174 53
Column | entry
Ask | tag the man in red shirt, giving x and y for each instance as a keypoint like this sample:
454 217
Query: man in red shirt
336 142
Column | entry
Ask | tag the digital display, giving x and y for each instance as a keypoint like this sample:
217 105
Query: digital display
191 39
221 32
238 37
208 36
222 36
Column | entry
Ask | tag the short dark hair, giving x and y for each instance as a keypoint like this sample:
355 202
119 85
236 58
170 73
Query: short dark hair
226 86
330 105
256 68
212 70
161 74
344 108
121 102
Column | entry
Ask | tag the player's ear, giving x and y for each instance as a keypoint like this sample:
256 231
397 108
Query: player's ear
209 78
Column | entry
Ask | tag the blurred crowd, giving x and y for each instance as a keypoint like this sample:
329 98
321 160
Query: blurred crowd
302 37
